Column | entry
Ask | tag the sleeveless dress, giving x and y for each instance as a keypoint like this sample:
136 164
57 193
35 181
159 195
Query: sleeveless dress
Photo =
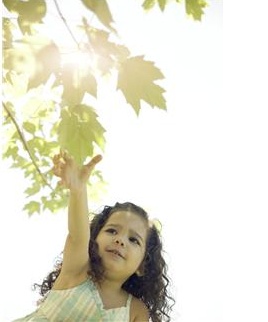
81 303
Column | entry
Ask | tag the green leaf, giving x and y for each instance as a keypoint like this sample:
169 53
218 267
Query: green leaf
32 10
162 4
8 28
148 4
101 10
89 83
78 130
76 81
11 151
136 81
35 188
29 13
50 204
106 53
11 5
194 8
29 127
32 207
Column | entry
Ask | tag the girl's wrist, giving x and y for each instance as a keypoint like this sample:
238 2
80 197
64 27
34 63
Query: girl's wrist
78 190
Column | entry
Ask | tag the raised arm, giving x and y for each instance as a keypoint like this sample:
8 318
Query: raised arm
75 255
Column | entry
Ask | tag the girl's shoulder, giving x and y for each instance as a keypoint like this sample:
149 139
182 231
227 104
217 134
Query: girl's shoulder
138 311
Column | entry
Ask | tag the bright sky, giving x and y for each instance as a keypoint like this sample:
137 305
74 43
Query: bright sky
188 167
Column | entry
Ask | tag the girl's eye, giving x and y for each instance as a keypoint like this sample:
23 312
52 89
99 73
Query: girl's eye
134 240
111 231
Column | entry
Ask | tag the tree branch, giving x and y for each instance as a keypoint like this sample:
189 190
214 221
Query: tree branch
25 144
65 23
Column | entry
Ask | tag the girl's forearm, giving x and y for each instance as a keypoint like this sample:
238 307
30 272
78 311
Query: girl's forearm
78 224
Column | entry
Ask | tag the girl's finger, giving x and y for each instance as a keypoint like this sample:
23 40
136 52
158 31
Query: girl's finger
56 158
57 171
96 159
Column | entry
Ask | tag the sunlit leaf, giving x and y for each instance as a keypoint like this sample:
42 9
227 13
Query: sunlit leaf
32 207
20 60
101 10
15 84
33 10
47 62
35 188
90 84
76 82
29 127
162 4
148 4
11 5
78 130
29 12
194 8
11 151
136 80
106 53
8 28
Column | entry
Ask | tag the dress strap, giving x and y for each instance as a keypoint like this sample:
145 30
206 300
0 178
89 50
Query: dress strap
129 300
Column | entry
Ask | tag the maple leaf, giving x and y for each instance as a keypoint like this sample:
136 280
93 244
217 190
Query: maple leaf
101 10
76 82
136 81
78 130
194 8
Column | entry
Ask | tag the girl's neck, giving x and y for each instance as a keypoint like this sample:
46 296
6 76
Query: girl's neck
106 285
112 294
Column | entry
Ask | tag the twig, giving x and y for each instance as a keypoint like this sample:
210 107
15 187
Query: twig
26 146
65 22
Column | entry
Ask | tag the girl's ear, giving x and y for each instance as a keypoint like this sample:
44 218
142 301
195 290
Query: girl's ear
139 273
140 270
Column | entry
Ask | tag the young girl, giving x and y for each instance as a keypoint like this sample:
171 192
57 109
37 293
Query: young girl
112 269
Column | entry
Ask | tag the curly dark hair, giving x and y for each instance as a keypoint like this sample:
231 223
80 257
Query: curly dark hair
151 287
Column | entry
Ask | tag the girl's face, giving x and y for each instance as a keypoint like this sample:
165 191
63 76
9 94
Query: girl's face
122 244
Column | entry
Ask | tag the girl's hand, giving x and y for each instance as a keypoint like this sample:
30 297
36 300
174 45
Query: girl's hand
72 176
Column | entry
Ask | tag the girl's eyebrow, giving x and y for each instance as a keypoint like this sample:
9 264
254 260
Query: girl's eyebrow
131 230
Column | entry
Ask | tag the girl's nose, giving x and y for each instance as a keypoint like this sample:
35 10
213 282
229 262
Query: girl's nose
119 241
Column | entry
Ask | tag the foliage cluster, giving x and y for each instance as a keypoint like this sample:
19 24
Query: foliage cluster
45 105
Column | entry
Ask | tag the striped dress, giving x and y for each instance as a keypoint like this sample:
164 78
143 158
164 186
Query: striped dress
81 303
